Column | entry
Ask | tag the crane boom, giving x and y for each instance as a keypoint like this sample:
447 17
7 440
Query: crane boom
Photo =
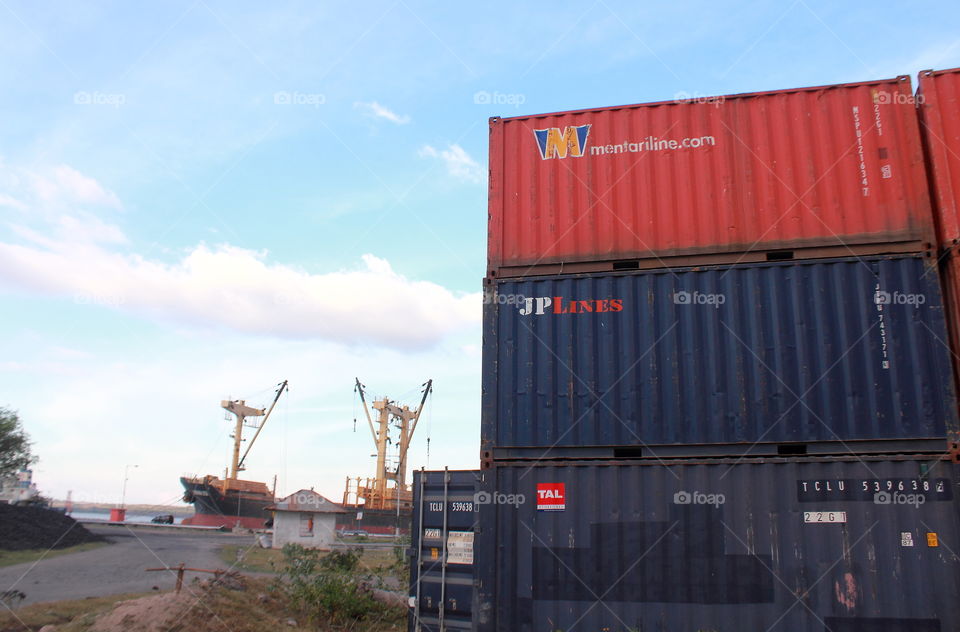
282 387
363 401
423 400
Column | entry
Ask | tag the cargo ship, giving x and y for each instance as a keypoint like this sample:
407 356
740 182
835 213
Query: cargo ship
368 514
19 488
230 501
373 505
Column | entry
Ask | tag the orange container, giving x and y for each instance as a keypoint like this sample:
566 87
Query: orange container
810 172
939 105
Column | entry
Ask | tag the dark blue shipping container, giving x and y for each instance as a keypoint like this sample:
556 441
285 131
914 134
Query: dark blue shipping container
442 555
802 545
761 358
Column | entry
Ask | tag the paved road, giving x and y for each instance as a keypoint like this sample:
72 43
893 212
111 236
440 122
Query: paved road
118 567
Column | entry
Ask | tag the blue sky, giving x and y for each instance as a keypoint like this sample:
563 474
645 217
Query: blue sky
200 199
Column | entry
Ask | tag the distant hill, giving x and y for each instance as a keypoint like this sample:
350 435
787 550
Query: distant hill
175 510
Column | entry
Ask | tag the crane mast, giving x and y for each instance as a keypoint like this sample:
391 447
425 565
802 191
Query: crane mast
388 416
239 409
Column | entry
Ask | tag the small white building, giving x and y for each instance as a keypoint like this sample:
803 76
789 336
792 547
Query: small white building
305 518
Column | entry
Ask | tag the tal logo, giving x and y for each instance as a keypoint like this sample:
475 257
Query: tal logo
556 143
551 496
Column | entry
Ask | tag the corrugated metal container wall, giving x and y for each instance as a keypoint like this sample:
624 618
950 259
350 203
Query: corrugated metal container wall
856 546
939 106
442 557
822 350
938 100
950 275
836 166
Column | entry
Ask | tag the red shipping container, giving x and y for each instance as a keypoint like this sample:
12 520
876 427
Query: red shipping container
825 171
939 104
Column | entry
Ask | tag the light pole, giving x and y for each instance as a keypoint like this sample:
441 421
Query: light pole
126 477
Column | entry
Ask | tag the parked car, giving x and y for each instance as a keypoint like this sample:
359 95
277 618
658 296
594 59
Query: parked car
353 532
163 519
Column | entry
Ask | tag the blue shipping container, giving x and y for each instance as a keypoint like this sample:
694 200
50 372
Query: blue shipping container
767 358
442 556
801 545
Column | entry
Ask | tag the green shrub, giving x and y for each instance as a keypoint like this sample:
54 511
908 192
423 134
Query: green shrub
325 587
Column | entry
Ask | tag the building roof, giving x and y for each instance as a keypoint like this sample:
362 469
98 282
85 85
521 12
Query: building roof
309 501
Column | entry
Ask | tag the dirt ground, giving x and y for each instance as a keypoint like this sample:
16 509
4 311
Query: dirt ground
119 567
107 589
237 604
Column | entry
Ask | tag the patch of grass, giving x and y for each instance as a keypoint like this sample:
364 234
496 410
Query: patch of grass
9 558
261 606
258 560
252 559
57 613
331 588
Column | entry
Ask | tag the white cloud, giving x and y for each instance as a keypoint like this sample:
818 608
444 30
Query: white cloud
66 185
87 228
53 190
238 289
459 163
375 110
12 202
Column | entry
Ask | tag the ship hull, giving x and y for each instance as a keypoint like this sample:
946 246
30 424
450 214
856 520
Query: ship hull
374 521
213 508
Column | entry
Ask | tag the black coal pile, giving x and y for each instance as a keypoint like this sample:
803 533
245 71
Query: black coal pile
23 528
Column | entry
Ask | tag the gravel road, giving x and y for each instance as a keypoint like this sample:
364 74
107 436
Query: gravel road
119 566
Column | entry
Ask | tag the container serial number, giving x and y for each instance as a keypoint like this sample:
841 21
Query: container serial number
824 517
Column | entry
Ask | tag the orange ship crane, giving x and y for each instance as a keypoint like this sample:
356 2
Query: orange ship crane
403 419
241 411
231 501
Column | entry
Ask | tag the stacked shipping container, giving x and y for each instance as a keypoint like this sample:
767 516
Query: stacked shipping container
835 170
850 544
714 367
442 564
764 358
938 101
791 545
583 353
